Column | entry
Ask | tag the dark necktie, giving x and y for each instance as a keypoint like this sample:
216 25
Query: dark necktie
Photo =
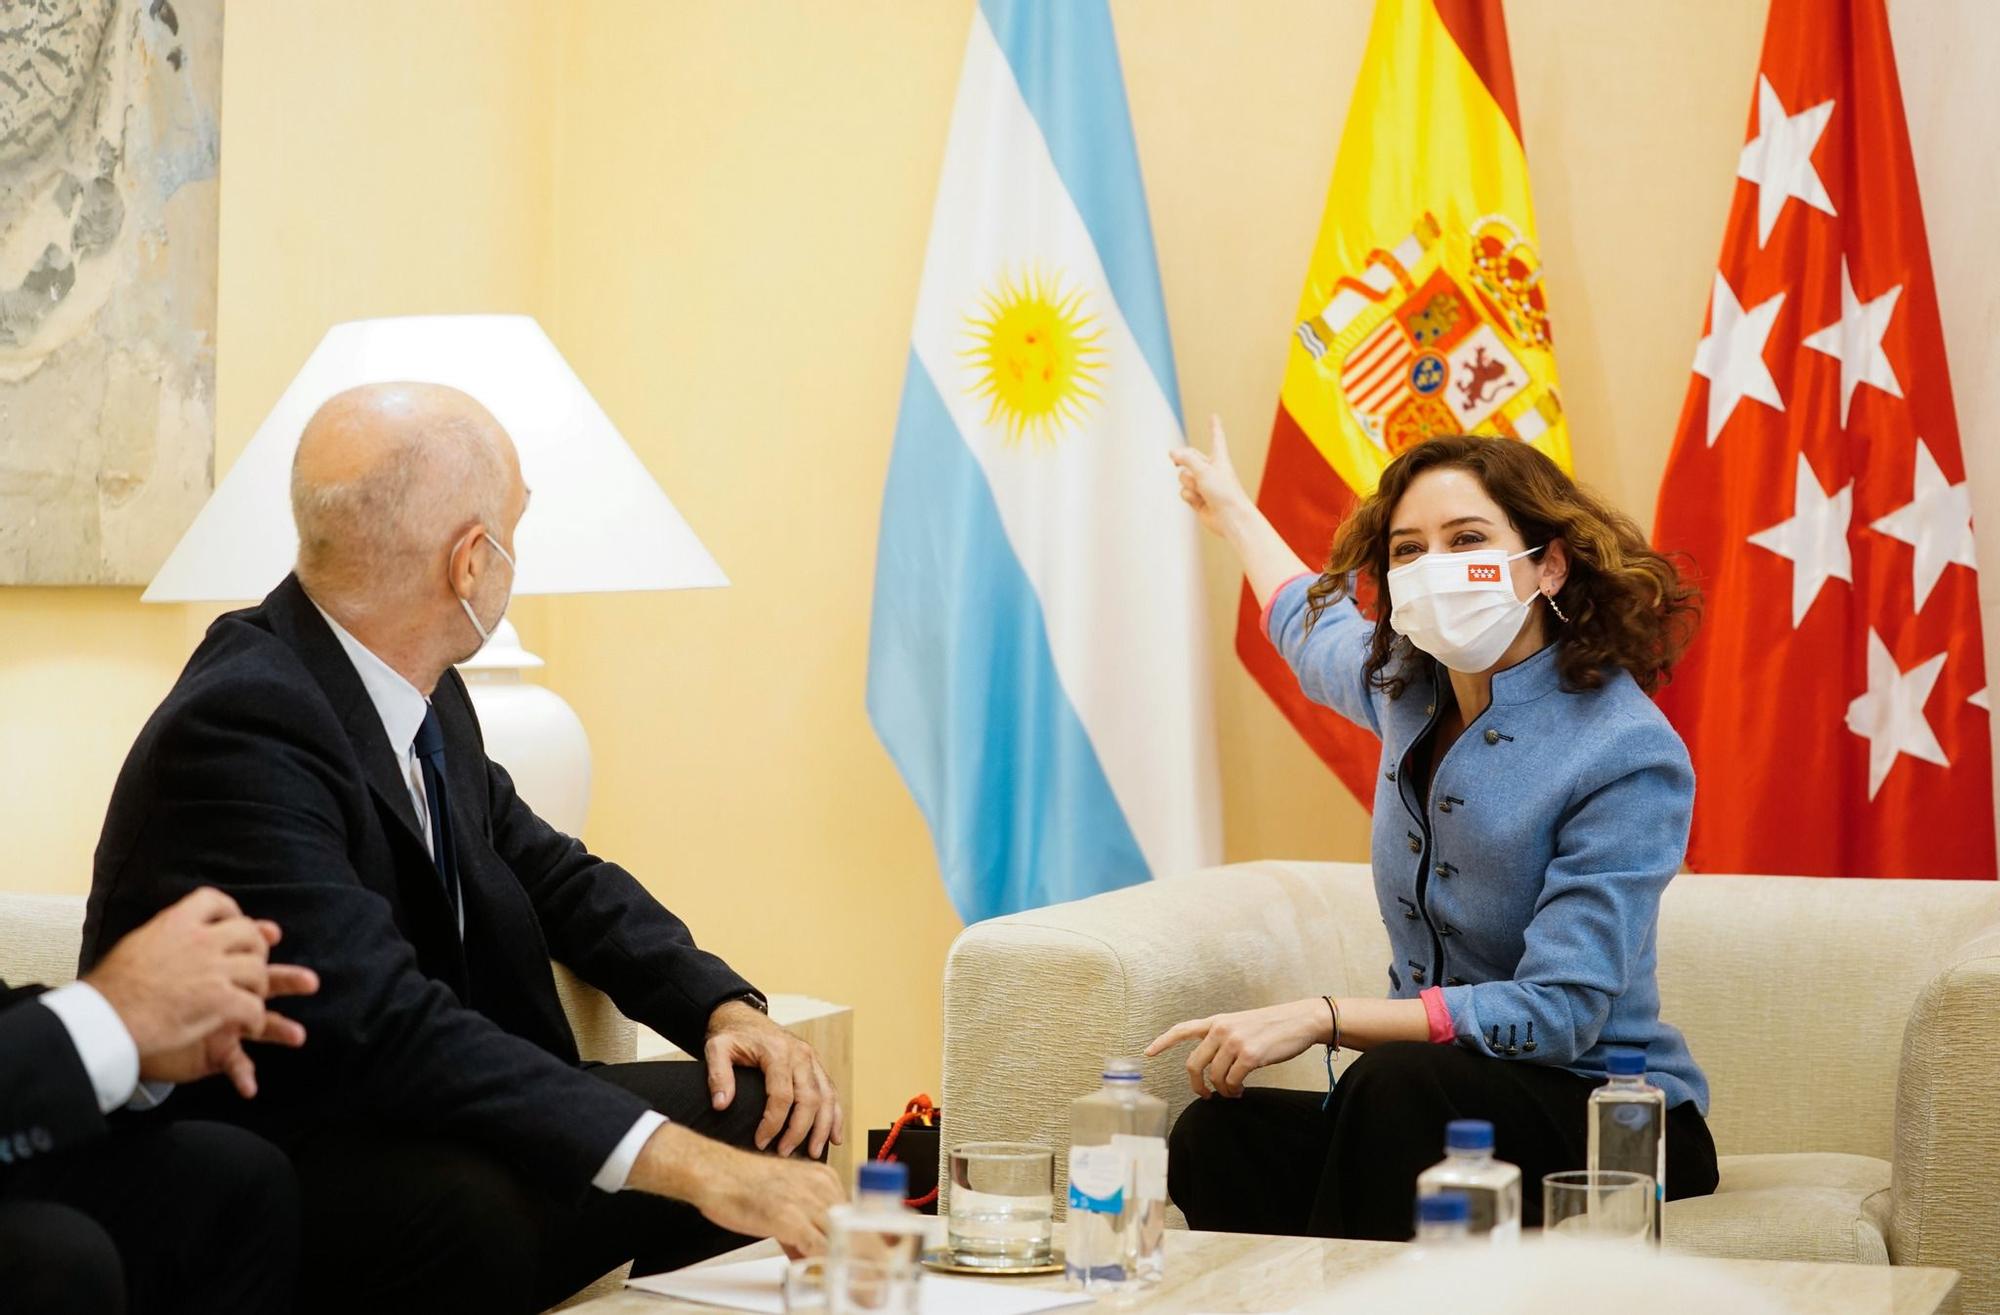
429 747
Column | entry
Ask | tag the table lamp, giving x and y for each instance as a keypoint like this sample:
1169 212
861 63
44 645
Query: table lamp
597 522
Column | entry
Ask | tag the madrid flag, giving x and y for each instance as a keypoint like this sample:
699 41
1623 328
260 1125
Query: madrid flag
1423 311
1835 697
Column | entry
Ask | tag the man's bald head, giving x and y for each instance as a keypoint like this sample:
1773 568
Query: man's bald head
386 478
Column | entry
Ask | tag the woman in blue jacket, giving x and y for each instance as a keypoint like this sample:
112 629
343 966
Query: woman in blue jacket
1532 804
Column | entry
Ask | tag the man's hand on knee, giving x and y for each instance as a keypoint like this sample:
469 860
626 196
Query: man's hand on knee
800 1100
742 1191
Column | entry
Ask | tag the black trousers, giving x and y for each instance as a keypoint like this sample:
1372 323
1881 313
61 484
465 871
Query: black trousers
154 1218
1274 1162
405 1223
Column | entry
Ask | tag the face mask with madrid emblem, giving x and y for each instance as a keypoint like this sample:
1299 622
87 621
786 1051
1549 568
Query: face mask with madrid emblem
1459 607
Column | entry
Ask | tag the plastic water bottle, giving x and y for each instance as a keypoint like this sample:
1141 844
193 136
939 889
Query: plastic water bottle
872 1246
1117 1184
1443 1219
1492 1188
1628 1126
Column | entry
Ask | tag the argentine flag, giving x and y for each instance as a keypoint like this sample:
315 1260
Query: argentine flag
1037 663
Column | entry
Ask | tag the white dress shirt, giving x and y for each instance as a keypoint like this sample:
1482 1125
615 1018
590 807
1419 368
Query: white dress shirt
401 707
104 1044
101 1039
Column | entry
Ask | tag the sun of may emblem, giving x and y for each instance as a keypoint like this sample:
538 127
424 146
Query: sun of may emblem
1035 355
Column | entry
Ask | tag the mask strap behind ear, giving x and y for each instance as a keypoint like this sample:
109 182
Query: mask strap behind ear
466 603
490 539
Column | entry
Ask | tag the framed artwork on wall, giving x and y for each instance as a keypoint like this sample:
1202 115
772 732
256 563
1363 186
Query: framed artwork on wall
110 141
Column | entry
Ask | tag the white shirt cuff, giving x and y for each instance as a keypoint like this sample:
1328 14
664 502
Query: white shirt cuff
102 1043
618 1165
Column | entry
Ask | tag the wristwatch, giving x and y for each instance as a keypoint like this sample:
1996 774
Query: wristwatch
755 999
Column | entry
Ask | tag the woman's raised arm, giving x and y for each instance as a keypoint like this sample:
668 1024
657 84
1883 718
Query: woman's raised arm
1209 484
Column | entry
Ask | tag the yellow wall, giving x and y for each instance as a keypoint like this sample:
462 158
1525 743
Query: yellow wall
378 158
719 212
742 194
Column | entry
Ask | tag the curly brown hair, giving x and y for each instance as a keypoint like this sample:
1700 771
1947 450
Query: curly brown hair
1628 606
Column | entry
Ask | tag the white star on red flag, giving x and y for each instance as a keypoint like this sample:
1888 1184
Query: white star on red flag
1731 357
1815 539
1936 521
1890 716
1855 340
1779 158
1824 532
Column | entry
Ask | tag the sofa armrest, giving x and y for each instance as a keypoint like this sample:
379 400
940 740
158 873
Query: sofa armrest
1948 1125
602 1033
1035 1003
40 936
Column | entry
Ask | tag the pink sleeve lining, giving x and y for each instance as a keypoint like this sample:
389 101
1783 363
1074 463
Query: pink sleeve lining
1439 1014
1264 621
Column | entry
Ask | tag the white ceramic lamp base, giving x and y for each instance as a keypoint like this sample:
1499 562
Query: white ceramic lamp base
530 731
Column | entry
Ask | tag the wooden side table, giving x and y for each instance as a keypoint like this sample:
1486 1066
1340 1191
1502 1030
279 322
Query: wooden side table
828 1029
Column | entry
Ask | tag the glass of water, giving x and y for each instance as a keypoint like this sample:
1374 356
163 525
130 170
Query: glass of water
1002 1204
1602 1205
805 1288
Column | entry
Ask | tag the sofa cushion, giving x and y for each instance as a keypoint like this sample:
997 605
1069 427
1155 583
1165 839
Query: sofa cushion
40 937
1733 953
1806 1206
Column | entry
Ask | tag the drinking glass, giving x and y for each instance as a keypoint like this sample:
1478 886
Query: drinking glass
855 1286
1603 1205
1002 1204
805 1288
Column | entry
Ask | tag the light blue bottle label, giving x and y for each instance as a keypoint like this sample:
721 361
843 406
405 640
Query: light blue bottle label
1098 1177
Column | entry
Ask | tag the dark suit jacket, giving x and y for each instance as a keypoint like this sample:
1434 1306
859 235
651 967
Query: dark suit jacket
47 1102
266 772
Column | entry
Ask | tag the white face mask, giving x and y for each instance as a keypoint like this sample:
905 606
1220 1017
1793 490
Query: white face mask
473 616
1459 607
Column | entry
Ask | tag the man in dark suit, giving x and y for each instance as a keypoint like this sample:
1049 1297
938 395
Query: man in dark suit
319 759
97 1218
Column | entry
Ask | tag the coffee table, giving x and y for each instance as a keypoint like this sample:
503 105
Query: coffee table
1224 1272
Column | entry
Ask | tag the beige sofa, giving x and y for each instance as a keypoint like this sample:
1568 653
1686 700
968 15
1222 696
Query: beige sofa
1850 1030
40 936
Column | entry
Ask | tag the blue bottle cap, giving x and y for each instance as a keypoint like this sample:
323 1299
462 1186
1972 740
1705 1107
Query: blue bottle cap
1624 1062
1444 1208
1468 1135
886 1176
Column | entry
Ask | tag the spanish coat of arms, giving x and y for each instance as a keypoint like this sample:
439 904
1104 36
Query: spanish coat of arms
1434 337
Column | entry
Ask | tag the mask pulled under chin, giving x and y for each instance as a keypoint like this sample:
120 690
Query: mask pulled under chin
1459 607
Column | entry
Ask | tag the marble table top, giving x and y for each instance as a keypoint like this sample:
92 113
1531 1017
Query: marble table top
1230 1272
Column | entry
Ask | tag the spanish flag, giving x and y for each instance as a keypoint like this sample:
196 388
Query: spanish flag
1423 312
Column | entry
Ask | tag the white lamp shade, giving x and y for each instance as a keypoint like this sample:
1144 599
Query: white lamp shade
597 523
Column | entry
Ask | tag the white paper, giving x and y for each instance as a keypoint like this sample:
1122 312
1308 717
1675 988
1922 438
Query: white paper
758 1286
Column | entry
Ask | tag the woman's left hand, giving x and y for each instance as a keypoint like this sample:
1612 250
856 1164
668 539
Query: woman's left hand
1230 1047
